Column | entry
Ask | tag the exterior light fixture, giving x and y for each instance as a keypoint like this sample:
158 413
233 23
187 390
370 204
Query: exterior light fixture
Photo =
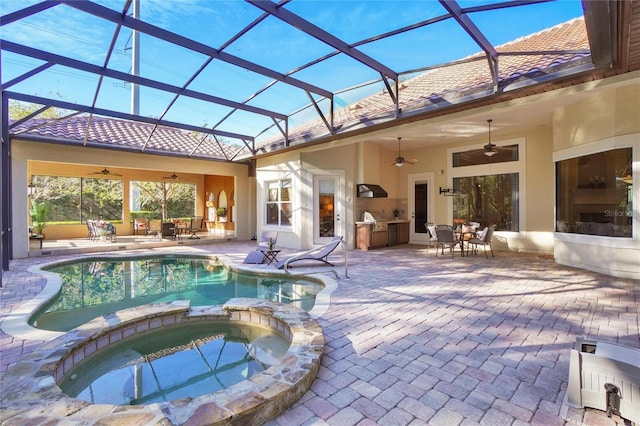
447 192
490 148
31 188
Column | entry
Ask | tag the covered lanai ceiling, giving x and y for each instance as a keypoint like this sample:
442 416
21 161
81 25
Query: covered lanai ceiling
233 80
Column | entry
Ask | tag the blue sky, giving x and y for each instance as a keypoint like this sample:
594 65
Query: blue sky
272 44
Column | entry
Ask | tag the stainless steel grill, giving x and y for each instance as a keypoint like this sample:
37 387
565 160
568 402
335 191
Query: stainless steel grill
379 224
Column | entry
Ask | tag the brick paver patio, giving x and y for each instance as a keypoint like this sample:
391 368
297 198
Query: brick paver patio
411 339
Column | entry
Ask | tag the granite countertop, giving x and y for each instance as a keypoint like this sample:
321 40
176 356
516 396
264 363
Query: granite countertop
388 221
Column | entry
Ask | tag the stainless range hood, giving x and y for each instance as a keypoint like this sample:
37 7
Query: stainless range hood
366 190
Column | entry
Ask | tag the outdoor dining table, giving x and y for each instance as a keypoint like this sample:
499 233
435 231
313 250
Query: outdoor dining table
464 235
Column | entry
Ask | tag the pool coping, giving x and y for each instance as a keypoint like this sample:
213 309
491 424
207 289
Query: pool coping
31 394
17 324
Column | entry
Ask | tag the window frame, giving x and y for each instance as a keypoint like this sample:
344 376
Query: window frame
267 187
508 167
615 142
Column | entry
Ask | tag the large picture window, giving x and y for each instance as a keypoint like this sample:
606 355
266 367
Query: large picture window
594 194
278 208
487 188
488 200
74 200
163 200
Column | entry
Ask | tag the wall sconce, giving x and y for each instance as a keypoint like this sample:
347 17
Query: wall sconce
448 192
31 188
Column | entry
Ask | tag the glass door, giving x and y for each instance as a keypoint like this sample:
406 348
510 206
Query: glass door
420 206
327 209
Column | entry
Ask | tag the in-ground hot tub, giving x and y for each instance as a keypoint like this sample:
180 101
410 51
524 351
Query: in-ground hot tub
31 393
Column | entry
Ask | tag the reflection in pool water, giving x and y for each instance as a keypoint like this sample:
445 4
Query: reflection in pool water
174 363
101 286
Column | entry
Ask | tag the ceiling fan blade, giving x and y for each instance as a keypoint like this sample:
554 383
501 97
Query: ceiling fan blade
173 177
105 172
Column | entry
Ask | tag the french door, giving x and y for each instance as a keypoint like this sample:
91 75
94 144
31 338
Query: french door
420 206
328 206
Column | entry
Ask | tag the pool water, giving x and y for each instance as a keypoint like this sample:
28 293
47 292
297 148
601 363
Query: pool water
179 362
101 286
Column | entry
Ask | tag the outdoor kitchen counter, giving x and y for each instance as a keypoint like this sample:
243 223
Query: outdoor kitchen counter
397 232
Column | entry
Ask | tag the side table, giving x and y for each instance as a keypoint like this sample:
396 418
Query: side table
270 256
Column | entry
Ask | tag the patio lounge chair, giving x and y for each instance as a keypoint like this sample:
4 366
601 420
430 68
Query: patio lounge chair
320 254
196 226
92 230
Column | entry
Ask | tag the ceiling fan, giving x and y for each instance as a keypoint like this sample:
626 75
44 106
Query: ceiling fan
173 176
490 148
400 160
105 172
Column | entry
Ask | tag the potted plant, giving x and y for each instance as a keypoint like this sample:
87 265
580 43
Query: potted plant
39 213
222 212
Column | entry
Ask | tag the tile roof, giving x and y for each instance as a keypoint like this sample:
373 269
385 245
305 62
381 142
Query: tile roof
455 83
447 85
123 134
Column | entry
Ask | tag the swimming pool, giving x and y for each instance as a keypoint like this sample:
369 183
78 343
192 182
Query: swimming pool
170 363
98 286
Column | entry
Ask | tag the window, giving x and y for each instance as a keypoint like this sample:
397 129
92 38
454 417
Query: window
74 200
594 194
279 202
487 188
162 200
475 157
488 200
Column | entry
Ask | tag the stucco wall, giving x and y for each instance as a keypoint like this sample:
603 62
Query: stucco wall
64 160
602 114
606 120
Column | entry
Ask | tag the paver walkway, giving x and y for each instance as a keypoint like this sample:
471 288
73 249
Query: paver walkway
411 339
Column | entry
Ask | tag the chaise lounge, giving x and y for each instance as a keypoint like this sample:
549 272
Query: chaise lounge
320 254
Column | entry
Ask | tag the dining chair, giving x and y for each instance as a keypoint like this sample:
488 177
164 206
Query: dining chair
196 226
446 238
140 224
484 240
155 228
169 230
433 237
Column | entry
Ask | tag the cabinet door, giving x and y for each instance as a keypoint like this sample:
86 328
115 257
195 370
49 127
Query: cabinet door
363 237
403 233
379 239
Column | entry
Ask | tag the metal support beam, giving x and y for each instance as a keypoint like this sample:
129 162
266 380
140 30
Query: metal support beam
118 75
322 35
319 111
27 11
152 30
467 24
6 235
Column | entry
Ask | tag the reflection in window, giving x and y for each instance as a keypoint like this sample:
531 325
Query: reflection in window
594 194
488 200
279 202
